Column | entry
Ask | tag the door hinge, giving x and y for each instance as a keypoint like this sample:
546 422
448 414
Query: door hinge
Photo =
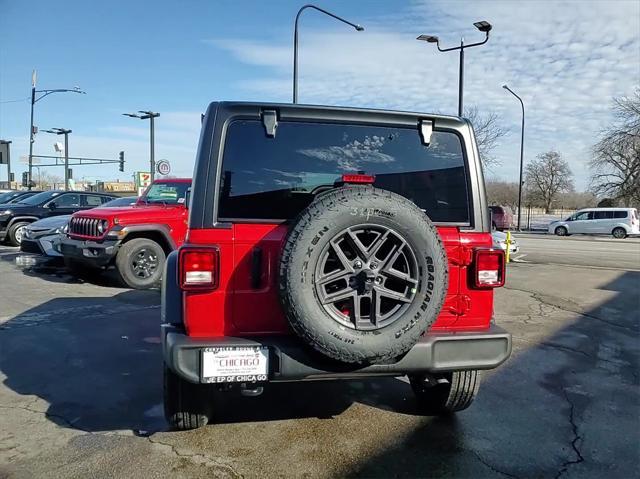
270 122
459 304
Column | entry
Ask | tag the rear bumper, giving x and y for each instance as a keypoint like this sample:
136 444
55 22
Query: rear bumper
290 360
90 252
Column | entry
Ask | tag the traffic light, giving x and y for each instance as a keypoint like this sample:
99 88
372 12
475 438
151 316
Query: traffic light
25 179
70 173
122 161
12 177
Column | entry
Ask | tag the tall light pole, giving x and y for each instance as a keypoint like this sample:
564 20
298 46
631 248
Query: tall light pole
483 26
65 132
148 115
295 42
34 100
521 154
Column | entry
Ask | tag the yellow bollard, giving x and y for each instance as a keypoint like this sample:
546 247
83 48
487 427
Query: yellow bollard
508 244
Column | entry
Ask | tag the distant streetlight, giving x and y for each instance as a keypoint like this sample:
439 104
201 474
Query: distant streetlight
34 100
65 132
295 42
521 154
148 115
483 26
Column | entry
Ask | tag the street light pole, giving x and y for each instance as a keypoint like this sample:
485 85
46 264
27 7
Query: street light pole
34 100
148 115
483 26
521 154
295 42
65 132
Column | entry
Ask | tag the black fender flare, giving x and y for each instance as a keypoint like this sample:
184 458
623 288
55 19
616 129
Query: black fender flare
156 228
170 292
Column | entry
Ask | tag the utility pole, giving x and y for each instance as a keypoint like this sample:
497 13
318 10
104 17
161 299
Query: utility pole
151 116
483 26
65 132
34 100
295 42
521 154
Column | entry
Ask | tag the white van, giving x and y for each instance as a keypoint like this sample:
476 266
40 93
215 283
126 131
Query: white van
619 222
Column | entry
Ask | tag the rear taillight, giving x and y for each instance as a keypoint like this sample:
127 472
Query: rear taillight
199 268
489 267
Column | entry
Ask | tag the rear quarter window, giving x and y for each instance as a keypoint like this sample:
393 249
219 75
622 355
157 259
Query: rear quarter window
620 214
276 178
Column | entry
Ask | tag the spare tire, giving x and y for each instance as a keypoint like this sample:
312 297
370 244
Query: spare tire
363 274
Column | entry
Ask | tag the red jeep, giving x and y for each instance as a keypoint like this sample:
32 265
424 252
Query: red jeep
136 239
330 243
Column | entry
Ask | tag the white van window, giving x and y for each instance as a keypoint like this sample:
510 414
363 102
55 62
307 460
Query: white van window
587 215
619 214
604 215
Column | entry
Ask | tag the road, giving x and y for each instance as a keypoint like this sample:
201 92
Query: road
80 392
580 250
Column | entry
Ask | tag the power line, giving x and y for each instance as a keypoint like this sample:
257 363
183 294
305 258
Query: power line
14 101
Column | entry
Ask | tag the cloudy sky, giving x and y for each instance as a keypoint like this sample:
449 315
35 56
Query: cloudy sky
565 59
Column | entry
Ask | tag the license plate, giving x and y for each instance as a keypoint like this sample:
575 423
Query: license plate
235 364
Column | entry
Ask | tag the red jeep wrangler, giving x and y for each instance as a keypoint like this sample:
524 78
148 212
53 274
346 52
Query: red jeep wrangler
136 239
330 243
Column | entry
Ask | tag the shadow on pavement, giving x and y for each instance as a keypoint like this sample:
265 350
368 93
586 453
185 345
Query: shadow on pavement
568 402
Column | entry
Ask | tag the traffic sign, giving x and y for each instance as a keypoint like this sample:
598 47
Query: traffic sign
143 179
163 167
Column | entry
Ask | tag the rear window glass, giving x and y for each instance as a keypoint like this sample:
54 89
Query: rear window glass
619 214
275 178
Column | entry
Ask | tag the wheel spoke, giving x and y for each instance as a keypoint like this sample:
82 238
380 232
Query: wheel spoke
388 293
334 276
361 250
341 295
394 273
377 244
346 264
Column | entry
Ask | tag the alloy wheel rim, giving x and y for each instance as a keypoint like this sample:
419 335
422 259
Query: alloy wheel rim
367 276
144 263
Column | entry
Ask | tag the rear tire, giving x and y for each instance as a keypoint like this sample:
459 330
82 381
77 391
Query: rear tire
15 233
186 405
561 231
619 233
446 397
140 263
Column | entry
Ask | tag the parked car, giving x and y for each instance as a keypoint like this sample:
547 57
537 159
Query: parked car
14 217
501 217
15 196
500 241
135 240
300 266
43 235
618 222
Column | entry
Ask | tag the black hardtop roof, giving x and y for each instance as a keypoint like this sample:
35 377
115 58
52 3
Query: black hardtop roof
327 110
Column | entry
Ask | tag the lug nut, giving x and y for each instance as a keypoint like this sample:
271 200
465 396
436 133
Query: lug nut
358 264
378 280
374 265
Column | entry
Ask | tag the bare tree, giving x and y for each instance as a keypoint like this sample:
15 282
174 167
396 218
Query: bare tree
547 177
47 180
502 193
616 157
488 133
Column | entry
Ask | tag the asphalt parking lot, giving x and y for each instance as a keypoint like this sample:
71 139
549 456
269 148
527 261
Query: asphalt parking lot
80 392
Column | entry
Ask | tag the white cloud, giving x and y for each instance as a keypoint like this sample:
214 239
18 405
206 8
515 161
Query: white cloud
565 59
